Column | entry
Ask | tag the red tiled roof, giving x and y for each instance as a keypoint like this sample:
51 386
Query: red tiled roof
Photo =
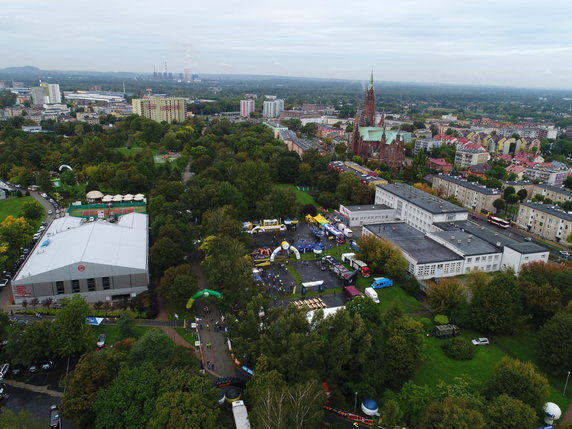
439 161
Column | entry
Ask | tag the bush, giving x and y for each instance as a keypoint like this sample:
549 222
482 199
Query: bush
441 319
427 324
458 349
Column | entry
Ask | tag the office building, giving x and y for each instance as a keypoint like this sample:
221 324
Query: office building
160 109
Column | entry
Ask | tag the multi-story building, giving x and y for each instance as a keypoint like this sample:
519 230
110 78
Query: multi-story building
52 91
546 220
417 208
39 95
554 193
427 144
439 164
366 214
246 108
160 109
272 108
470 194
470 154
549 175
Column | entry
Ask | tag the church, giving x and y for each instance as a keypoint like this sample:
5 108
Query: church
373 142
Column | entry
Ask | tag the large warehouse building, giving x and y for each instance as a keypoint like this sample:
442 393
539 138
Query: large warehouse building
101 261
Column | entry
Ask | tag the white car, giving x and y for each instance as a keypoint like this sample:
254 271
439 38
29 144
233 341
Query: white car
50 212
4 369
480 342
101 340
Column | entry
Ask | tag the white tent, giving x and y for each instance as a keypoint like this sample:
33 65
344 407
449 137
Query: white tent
117 198
139 197
107 198
94 195
128 197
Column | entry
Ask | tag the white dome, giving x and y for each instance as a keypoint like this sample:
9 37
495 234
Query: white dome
552 410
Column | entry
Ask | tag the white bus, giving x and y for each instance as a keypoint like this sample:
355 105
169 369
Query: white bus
240 415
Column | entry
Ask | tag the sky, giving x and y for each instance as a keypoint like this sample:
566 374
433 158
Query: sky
519 43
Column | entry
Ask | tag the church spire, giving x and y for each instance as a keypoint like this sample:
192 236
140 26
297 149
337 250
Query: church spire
370 86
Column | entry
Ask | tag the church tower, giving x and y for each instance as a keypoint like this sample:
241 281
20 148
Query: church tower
369 105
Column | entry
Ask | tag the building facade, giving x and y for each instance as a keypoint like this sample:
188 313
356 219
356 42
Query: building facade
470 154
272 108
366 214
373 141
246 108
546 220
551 176
470 194
160 109
417 208
555 193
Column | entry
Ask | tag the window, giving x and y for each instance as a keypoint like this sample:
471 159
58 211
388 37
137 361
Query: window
477 259
60 287
469 260
106 283
75 286
91 285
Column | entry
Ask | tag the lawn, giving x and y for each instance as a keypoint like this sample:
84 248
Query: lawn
112 332
12 206
301 196
436 366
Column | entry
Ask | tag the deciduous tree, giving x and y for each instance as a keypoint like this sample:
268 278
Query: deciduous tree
443 297
507 412
69 327
554 343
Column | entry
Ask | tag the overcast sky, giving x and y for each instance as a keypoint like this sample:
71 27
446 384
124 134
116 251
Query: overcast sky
492 42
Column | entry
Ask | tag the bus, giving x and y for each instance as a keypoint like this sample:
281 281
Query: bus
498 222
240 415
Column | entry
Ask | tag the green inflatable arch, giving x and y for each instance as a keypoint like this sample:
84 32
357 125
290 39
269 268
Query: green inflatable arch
204 292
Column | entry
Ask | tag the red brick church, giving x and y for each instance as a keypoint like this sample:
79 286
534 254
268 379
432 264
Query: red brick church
375 142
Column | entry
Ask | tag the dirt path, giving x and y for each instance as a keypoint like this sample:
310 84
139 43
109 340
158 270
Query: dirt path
33 388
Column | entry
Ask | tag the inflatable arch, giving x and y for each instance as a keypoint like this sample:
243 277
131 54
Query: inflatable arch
204 292
286 247
65 166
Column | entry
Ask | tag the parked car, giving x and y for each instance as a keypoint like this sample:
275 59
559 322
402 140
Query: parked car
47 364
18 369
50 212
527 238
101 340
33 366
4 368
480 342
55 421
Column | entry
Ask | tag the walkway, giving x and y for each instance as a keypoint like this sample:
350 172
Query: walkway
34 388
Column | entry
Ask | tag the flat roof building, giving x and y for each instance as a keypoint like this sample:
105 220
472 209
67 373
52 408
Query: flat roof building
366 214
160 109
417 208
546 220
101 261
470 194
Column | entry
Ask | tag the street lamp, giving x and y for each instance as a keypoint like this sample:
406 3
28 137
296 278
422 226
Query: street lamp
355 401
566 384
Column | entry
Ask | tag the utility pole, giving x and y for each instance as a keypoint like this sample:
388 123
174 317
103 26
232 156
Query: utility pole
566 384
355 398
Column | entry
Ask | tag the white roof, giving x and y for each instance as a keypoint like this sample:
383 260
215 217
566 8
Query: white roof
107 198
70 241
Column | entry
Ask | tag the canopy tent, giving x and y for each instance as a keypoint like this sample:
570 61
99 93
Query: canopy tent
128 197
94 195
117 198
139 197
107 199
95 321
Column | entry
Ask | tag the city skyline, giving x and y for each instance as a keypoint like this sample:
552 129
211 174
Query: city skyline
518 44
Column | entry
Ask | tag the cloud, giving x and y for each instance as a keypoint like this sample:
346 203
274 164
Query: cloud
419 40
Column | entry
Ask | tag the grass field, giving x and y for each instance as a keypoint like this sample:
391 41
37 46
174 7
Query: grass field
12 206
301 196
112 332
436 366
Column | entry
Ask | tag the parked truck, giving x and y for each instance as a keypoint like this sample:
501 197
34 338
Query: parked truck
381 282
446 331
339 269
371 293
351 292
356 264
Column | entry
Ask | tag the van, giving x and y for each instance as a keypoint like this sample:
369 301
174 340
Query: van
371 293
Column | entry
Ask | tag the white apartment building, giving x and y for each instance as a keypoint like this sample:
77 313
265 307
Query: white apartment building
246 108
551 176
470 154
417 208
272 108
54 93
546 220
